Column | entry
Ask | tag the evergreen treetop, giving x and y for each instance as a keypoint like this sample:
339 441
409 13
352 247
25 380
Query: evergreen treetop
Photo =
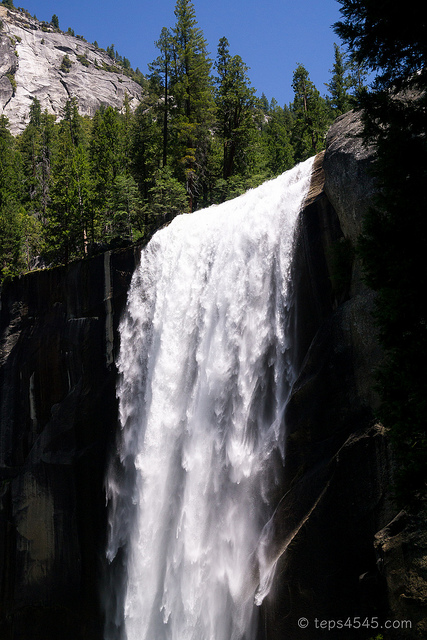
390 38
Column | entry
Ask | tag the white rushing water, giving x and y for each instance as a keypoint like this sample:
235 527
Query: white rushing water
205 369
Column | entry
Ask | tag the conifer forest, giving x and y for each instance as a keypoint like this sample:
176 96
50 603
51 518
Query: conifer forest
200 135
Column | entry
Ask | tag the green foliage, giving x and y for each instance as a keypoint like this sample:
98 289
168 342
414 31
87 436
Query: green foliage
83 60
11 78
236 109
386 38
107 160
160 73
65 64
146 144
8 3
127 219
277 133
193 113
110 67
54 21
168 197
193 140
394 238
340 99
11 262
310 114
10 188
69 208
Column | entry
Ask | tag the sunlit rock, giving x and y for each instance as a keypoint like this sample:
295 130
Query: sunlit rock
31 65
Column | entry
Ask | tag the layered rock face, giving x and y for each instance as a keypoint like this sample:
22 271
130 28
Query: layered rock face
31 65
343 552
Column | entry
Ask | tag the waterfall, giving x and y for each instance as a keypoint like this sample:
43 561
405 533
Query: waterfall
205 370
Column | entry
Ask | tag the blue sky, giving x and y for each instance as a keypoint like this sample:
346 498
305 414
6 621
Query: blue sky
271 36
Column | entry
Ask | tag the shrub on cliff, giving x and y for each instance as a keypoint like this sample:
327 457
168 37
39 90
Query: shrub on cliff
65 64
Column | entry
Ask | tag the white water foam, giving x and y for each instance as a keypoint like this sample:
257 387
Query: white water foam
205 370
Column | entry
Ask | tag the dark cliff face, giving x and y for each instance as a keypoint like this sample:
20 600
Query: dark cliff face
337 462
58 419
342 550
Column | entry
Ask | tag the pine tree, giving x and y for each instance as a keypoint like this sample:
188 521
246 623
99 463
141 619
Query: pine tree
106 153
114 159
191 88
127 208
236 108
160 72
47 151
69 223
277 138
358 76
389 39
146 145
30 144
264 104
167 197
37 147
310 116
11 232
340 99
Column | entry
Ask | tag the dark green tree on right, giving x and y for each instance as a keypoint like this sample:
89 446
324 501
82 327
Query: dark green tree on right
391 41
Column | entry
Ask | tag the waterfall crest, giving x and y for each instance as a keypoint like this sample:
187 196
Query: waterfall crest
205 370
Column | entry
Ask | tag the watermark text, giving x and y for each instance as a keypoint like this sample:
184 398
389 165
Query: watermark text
371 623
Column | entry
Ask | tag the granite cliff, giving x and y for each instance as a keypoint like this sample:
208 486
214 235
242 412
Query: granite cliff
31 65
342 548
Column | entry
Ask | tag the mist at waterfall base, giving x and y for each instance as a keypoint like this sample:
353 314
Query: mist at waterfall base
205 370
